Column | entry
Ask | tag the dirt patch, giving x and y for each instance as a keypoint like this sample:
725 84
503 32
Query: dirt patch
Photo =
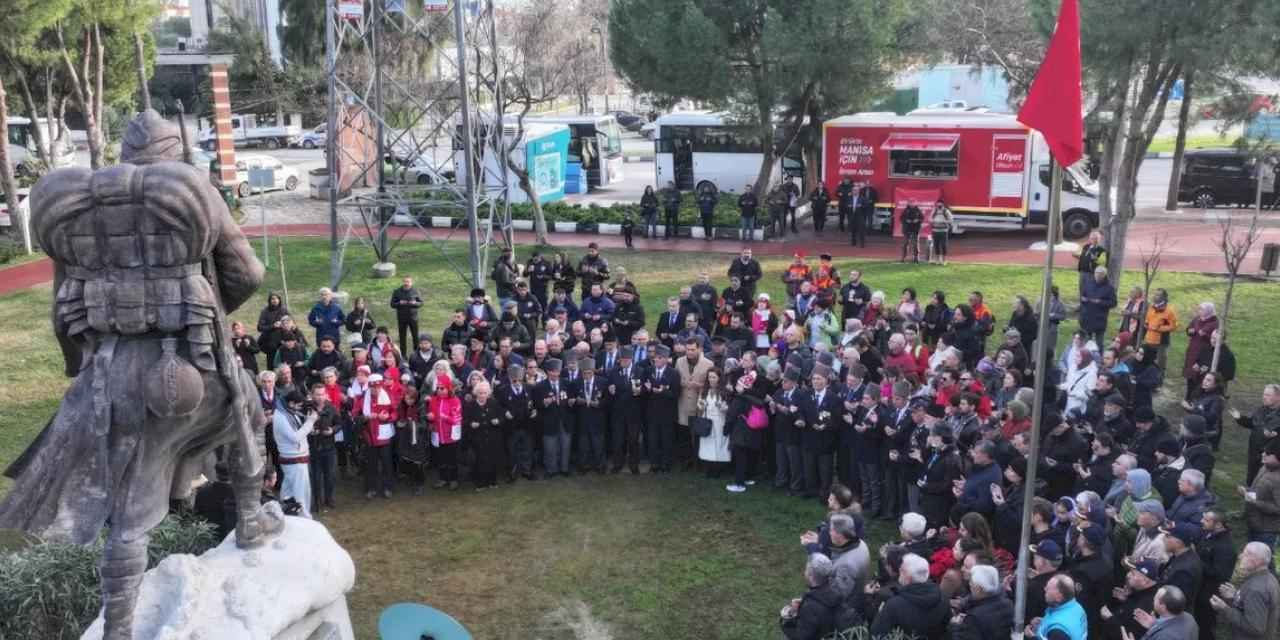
573 620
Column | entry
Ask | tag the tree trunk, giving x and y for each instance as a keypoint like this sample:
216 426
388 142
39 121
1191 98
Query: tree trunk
1223 320
765 113
539 219
83 90
41 133
140 58
7 180
1180 144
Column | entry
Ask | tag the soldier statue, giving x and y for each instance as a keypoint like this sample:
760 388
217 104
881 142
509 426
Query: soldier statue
148 262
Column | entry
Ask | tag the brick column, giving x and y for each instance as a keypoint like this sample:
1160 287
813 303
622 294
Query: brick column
222 124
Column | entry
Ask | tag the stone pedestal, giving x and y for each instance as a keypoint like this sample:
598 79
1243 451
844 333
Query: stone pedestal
384 270
292 588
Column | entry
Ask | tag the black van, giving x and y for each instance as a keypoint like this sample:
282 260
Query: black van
1220 177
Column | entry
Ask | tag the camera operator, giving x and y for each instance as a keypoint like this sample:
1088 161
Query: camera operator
323 448
291 429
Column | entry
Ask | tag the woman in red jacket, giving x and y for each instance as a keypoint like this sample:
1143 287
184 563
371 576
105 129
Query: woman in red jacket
378 413
444 416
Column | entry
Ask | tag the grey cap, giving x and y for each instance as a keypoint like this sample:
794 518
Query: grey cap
662 350
551 364
627 353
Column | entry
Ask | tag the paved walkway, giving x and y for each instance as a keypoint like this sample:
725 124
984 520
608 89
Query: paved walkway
1191 246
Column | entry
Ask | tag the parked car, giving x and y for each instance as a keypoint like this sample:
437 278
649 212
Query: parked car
422 173
314 138
23 206
629 121
1220 177
284 177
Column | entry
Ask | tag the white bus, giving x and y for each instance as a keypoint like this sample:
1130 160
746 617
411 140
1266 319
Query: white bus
697 149
22 147
595 141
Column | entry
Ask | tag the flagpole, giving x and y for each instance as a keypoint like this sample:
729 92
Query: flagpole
1037 411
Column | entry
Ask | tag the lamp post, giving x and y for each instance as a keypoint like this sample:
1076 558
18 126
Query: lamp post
604 65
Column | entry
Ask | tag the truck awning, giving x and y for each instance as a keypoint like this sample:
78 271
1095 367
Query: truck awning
921 142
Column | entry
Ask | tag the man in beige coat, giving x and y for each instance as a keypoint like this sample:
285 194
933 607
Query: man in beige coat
692 368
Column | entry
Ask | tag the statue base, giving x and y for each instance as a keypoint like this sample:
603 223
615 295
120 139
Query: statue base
292 588
383 270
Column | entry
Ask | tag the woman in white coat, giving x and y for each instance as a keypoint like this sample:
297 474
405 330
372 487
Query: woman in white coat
1079 383
712 405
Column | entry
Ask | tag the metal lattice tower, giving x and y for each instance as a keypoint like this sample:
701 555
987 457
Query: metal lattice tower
419 87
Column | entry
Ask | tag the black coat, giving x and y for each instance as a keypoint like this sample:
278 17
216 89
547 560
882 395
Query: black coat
1145 443
820 432
662 395
749 273
936 496
1100 475
518 408
986 618
406 303
785 429
1094 578
624 403
482 427
1184 571
917 609
555 415
1217 562
1065 450
591 409
817 615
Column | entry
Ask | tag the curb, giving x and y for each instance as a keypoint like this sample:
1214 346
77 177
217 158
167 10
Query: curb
1152 155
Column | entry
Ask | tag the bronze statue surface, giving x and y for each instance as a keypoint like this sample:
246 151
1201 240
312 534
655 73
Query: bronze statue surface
148 262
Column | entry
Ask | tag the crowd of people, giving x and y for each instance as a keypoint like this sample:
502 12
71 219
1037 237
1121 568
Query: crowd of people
917 412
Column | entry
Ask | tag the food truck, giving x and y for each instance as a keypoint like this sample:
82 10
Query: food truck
989 169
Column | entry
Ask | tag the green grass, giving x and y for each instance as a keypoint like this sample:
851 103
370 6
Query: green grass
670 557
1165 144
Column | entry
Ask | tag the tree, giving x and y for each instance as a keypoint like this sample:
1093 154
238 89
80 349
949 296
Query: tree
534 67
84 36
1235 241
1180 142
27 59
752 57
7 182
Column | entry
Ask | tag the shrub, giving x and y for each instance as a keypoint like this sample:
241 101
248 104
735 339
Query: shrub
10 248
726 214
50 591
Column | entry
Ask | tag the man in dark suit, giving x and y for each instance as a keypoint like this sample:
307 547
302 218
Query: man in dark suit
608 358
897 462
551 399
589 399
670 323
626 411
864 215
785 406
818 438
517 404
661 392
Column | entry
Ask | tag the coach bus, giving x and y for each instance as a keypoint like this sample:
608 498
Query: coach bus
595 141
701 149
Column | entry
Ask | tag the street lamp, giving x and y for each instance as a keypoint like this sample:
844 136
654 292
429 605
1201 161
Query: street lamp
604 65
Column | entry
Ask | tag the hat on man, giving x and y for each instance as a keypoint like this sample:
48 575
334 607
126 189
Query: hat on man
1188 533
935 411
1153 507
792 374
377 377
662 351
1116 399
1147 567
1011 332
1144 414
920 403
825 256
477 292
1168 447
515 371
1048 549
627 353
1272 448
825 358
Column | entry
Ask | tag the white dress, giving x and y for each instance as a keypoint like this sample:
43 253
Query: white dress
715 447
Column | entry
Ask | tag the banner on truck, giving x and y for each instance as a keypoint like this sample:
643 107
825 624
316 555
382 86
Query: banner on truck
1008 171
351 9
435 6
856 158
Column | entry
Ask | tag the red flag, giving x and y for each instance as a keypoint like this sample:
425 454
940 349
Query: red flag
1054 103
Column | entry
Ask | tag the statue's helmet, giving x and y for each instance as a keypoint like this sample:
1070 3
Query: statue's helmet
151 138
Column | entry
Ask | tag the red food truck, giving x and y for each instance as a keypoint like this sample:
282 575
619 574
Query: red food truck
992 171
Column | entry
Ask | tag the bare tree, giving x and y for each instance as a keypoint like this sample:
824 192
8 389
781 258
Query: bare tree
86 85
536 66
7 183
1235 241
1151 260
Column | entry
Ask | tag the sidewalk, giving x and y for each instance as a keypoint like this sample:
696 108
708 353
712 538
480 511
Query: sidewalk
1191 246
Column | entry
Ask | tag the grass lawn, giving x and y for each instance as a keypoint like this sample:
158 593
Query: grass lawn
1203 141
624 557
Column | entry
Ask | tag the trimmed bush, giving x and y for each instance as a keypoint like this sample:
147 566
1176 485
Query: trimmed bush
50 591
